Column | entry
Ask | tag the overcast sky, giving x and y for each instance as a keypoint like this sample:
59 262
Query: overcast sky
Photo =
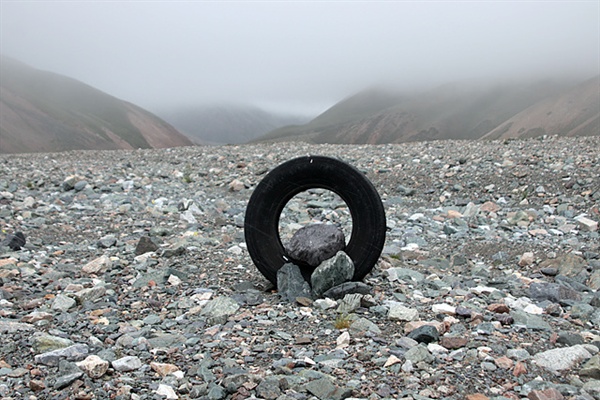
297 55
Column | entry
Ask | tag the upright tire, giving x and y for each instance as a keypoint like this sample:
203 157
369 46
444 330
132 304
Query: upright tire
261 224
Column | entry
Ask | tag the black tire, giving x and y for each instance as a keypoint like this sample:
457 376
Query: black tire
261 224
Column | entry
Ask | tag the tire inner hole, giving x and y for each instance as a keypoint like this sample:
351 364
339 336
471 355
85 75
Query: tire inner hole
314 206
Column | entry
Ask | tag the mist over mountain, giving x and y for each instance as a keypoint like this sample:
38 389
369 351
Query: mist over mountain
456 111
227 123
45 112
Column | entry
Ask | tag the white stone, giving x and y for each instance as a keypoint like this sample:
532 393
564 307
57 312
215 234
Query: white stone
343 340
399 312
443 308
166 390
236 185
391 361
174 280
435 348
98 265
562 358
586 224
325 304
94 366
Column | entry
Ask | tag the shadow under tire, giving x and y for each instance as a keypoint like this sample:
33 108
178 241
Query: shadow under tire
278 187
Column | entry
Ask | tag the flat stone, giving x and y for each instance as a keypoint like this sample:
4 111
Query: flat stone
9 326
530 321
72 353
98 265
126 364
340 291
586 224
561 359
66 380
63 303
46 343
399 312
220 309
552 291
454 342
547 394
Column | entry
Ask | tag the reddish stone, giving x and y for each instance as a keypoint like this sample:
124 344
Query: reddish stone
503 362
477 396
453 342
498 308
519 369
548 394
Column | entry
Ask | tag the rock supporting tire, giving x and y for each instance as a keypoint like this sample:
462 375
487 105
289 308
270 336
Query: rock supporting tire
261 225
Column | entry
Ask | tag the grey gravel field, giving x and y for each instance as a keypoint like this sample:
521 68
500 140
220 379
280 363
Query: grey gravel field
134 281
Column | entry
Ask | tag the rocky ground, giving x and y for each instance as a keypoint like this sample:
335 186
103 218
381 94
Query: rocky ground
134 280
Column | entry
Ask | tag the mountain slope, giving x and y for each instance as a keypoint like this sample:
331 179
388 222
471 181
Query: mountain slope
454 111
226 123
575 112
42 111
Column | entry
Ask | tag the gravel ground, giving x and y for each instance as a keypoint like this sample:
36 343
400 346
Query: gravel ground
135 282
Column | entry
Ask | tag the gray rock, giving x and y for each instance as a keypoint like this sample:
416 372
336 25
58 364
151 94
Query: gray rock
418 354
219 310
14 241
404 274
76 352
362 325
530 321
268 388
561 359
425 334
316 243
8 326
591 368
291 284
145 245
569 338
349 303
159 276
90 294
66 380
107 241
126 364
46 343
552 291
216 392
63 303
324 389
331 273
399 312
339 291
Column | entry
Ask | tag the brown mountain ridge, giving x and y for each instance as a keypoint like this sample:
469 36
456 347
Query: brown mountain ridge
45 112
456 111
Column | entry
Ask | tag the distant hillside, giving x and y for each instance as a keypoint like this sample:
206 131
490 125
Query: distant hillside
46 112
227 124
575 112
456 111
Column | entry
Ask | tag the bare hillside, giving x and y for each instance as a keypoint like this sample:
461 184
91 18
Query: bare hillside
42 111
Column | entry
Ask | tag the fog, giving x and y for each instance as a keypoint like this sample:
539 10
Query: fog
296 56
